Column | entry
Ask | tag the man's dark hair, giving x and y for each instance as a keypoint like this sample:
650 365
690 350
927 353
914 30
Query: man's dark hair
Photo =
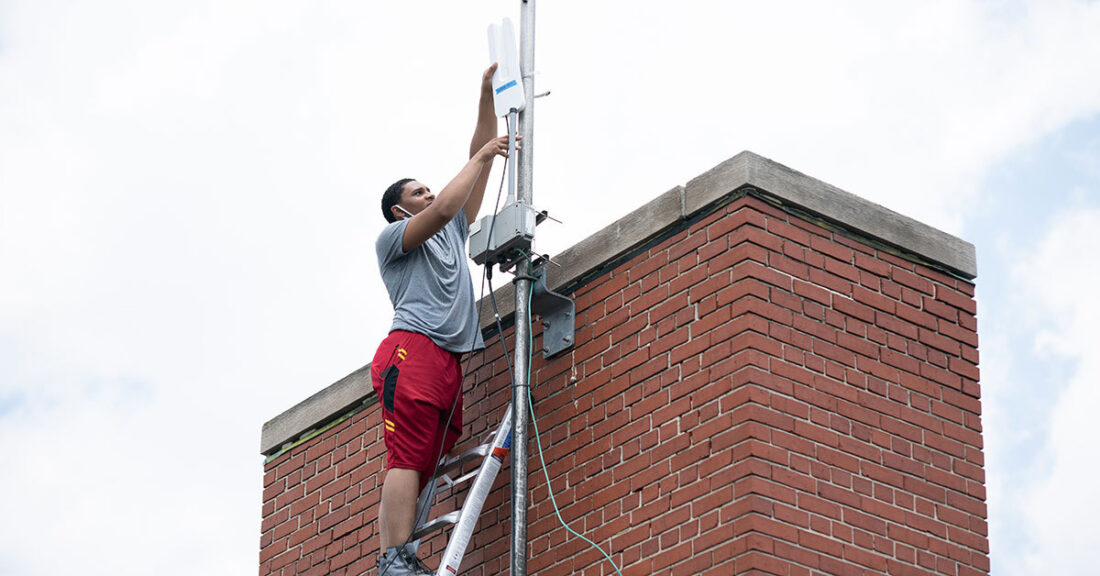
391 197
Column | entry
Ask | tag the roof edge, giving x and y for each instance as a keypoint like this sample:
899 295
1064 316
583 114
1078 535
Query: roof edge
832 203
746 169
316 411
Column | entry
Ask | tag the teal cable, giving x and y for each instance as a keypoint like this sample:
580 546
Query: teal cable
538 441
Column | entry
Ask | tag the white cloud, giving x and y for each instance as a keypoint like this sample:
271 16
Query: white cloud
183 208
122 478
1007 437
907 105
1055 506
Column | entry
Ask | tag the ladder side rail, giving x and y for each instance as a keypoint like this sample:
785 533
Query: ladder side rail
475 500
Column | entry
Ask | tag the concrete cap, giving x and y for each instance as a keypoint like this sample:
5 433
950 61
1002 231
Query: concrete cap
315 411
769 178
832 203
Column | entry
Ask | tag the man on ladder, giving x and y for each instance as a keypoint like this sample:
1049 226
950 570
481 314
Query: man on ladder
416 372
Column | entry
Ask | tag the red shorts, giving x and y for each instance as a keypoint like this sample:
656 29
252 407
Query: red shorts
417 383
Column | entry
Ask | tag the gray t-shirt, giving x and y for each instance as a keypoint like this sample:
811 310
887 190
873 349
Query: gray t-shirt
430 286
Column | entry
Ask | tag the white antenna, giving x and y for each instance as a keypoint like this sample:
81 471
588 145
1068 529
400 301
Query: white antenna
507 80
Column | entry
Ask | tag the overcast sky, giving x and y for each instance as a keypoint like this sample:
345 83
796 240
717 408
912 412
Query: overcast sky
189 200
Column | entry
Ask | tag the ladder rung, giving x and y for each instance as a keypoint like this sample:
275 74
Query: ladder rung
457 462
448 519
460 479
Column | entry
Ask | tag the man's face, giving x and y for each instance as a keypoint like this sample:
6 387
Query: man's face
415 197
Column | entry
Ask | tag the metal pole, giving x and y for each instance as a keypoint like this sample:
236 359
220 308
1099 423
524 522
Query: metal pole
523 291
512 154
519 426
527 116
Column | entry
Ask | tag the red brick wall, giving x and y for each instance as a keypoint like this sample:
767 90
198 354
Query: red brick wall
321 502
754 395
857 406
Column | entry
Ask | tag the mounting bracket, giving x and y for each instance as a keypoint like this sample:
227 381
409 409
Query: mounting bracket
557 312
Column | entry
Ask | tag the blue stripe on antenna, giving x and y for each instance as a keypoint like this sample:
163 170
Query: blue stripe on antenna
506 86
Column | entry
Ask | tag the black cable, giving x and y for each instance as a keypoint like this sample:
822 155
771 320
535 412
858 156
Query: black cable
500 332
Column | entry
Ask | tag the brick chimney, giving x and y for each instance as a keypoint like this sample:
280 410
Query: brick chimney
771 376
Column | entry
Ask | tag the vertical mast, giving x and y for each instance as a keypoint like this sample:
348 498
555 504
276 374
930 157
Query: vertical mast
524 286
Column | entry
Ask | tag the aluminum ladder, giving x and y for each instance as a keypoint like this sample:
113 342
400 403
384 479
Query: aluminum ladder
492 456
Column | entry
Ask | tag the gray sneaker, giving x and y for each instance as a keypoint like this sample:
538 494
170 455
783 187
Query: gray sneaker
402 561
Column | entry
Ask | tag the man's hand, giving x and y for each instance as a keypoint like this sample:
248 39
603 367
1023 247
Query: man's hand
487 80
496 147
484 133
455 195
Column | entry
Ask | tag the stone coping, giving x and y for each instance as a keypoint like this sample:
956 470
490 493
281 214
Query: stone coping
313 412
661 214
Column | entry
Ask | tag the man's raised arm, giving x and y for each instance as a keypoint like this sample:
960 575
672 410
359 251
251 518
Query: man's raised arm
454 196
485 131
